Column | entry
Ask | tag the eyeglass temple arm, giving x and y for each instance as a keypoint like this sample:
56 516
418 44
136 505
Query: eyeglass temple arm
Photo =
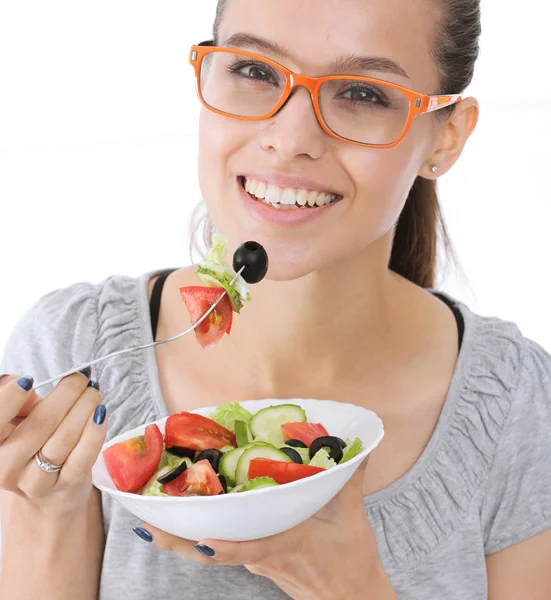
438 102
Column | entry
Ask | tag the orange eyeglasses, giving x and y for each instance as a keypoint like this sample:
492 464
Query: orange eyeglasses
359 110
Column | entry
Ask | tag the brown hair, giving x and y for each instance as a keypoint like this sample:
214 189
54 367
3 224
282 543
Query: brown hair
421 226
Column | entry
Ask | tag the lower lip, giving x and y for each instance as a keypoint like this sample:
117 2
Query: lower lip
277 216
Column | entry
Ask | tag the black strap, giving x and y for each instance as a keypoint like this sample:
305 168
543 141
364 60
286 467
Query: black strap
457 314
155 304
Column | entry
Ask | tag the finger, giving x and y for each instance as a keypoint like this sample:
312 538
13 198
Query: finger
13 398
171 543
248 553
83 457
44 419
66 436
32 398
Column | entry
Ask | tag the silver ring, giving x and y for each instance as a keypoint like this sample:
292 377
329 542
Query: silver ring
45 464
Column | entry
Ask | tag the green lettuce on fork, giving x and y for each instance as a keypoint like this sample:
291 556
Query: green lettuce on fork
214 272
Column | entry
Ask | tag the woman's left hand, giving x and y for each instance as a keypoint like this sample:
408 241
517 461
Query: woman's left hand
331 555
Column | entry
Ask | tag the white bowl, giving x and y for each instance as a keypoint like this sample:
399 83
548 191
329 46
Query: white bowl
258 513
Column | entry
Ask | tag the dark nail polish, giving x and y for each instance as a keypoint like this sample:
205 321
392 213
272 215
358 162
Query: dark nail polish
93 384
204 550
143 534
26 383
87 371
99 414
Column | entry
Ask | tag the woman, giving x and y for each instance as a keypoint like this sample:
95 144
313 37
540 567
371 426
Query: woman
456 501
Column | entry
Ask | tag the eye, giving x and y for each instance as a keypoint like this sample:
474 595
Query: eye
365 94
254 71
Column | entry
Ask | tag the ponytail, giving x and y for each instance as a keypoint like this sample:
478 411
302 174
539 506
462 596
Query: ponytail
415 247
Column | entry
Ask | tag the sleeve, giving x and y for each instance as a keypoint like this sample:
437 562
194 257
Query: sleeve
58 332
517 502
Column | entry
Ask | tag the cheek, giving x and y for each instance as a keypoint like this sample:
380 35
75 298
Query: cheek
219 139
382 181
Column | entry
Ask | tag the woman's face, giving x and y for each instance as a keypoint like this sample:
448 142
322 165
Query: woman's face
291 150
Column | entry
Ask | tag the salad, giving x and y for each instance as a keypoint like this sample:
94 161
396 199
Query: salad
215 275
231 451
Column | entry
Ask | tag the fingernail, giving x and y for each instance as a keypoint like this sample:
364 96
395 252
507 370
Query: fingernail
87 371
26 383
93 384
204 550
99 414
143 534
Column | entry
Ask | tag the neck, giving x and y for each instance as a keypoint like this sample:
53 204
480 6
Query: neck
320 323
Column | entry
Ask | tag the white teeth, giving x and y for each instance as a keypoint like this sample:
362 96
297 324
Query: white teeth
261 190
312 197
278 196
288 197
302 197
272 194
253 185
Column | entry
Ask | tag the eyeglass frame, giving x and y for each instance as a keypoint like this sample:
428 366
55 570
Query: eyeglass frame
419 104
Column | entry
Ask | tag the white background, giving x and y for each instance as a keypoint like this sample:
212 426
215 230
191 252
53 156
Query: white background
97 152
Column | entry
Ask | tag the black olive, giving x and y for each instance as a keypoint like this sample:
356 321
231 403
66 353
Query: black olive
293 455
341 442
330 443
212 455
296 444
223 483
253 257
181 452
171 475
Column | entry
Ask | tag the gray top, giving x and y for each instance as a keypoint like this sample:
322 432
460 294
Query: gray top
482 484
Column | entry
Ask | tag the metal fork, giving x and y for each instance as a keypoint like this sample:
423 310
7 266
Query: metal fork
143 347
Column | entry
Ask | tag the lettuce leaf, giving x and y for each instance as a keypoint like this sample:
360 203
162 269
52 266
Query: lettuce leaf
322 459
353 449
257 483
230 412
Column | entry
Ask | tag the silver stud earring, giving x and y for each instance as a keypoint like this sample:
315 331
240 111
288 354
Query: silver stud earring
434 168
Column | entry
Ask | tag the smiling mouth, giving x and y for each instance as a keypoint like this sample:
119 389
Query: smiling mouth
286 198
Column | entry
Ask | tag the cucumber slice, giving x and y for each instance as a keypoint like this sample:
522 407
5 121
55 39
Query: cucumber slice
228 463
242 434
266 424
256 451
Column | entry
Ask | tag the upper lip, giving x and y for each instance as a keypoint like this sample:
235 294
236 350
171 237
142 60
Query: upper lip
288 180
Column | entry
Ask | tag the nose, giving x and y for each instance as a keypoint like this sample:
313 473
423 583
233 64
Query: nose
294 131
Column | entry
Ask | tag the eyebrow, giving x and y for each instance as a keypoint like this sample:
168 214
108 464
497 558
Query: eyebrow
340 65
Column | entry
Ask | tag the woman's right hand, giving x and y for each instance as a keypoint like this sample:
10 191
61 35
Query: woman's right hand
68 426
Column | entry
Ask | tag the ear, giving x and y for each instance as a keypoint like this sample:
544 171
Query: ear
453 136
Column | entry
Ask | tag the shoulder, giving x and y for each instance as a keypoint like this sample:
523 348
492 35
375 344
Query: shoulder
510 375
64 327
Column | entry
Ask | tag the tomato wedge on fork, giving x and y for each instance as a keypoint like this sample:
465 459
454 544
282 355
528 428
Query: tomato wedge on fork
198 300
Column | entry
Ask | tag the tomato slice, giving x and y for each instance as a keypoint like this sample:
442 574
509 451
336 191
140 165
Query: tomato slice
282 472
198 300
198 480
305 432
196 432
132 462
